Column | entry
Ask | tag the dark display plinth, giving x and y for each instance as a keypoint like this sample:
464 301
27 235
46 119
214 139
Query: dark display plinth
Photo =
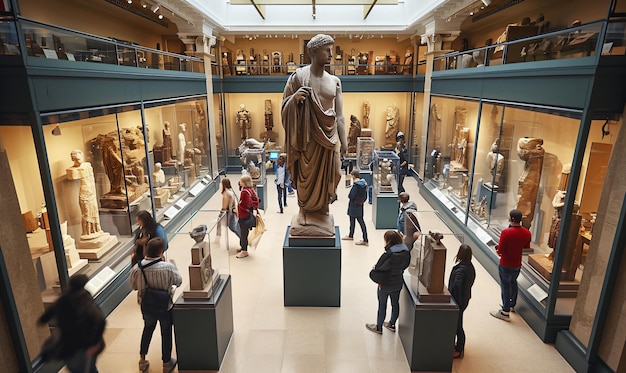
427 331
203 329
261 191
312 271
490 192
385 210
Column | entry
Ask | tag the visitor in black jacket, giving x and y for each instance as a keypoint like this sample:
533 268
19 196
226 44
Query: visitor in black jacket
392 263
460 285
80 324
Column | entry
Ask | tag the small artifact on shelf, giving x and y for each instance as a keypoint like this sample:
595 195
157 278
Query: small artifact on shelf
291 66
240 66
94 243
202 276
277 62
161 195
432 265
252 64
384 168
366 114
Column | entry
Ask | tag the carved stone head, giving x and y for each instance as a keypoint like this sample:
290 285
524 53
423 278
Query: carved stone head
198 233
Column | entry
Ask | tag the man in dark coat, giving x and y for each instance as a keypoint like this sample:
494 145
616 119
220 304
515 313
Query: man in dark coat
357 197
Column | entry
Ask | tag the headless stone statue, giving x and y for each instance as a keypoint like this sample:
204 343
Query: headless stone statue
243 121
354 133
391 129
496 163
182 142
167 142
531 151
90 220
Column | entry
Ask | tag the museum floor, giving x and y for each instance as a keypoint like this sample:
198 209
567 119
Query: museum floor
271 338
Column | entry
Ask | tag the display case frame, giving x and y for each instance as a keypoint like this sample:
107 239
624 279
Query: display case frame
364 153
386 172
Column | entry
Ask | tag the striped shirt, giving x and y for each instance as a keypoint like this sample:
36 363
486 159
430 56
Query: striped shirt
161 275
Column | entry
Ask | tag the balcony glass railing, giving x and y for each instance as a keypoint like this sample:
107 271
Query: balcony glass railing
9 43
615 39
335 69
53 42
575 42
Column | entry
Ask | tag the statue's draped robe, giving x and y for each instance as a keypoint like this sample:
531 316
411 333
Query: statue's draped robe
311 141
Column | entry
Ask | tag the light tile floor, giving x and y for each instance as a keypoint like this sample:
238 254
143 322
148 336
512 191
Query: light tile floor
271 338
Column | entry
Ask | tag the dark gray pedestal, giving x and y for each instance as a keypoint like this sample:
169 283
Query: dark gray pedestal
385 210
312 272
203 329
427 332
261 191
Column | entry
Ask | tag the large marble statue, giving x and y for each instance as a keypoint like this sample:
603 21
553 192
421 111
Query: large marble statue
531 151
182 143
167 142
354 133
391 129
243 121
496 163
312 115
93 241
90 220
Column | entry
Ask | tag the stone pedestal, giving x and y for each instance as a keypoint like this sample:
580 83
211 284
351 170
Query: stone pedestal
96 247
312 271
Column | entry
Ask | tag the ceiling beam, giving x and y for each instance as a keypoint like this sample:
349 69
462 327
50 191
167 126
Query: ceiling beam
259 8
367 11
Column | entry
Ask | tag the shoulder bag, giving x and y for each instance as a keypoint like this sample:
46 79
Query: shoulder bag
153 301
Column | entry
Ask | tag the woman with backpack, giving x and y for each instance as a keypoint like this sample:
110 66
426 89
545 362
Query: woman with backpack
248 202
357 197
387 273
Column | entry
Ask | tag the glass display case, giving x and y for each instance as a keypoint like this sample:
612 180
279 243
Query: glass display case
386 172
253 163
201 249
364 153
427 265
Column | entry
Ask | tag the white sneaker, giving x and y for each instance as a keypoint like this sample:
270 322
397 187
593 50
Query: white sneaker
362 243
499 314
243 254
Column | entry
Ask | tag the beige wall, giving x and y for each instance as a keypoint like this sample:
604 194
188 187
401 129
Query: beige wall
101 18
352 104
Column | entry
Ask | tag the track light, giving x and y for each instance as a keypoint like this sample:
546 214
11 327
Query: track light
144 5
155 8
129 1
160 15
486 2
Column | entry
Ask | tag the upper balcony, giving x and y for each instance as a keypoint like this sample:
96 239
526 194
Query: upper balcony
67 69
557 68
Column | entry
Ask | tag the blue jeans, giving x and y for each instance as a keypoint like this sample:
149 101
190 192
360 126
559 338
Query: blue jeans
401 183
149 324
233 224
394 295
361 223
508 286
282 196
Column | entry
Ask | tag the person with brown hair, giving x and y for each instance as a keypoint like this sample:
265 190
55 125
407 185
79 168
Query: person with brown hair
148 229
229 207
357 198
460 285
390 267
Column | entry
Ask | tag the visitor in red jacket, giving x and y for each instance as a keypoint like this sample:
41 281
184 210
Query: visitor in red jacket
513 241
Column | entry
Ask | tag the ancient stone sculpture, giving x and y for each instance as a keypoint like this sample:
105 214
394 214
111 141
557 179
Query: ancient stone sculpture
167 142
558 202
182 143
384 169
459 148
158 176
201 271
90 221
531 151
92 237
243 121
391 129
496 163
126 174
312 115
269 136
354 133
366 114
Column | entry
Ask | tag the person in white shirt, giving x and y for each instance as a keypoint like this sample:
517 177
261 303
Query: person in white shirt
229 207
280 182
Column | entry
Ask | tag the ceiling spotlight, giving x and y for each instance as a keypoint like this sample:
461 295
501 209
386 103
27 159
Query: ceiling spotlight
155 8
471 13
160 15
144 5
129 1
486 2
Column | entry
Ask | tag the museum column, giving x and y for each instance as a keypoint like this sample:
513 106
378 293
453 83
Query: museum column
200 45
19 264
435 42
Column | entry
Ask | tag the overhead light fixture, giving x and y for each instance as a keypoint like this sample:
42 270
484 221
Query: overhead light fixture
471 13
160 15
129 1
486 2
155 8
144 5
